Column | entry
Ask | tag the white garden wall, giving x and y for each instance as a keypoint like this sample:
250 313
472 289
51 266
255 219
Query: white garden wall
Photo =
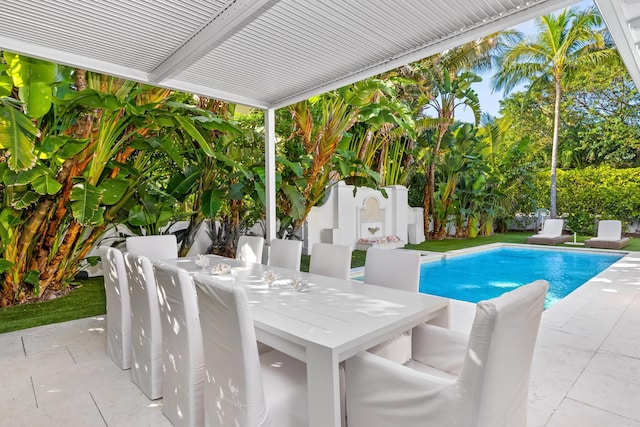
346 219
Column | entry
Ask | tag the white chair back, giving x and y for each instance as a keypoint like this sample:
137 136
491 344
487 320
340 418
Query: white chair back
330 260
250 248
146 334
397 269
182 354
552 227
496 369
609 229
490 390
393 268
153 247
234 394
285 254
118 306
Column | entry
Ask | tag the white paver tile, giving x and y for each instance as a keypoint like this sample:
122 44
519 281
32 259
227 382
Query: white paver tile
612 383
572 413
79 411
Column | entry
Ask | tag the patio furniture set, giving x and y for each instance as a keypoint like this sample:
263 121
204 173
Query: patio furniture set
235 342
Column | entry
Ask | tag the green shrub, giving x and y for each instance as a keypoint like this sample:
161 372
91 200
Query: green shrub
586 195
581 222
416 189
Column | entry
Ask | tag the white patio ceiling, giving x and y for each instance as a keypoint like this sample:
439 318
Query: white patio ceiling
270 53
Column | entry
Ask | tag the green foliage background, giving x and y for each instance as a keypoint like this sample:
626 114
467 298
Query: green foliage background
593 193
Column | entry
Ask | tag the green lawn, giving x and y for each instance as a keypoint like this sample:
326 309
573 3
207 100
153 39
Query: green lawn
88 298
453 244
357 260
514 237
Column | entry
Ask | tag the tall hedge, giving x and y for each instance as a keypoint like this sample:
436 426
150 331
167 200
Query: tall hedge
585 195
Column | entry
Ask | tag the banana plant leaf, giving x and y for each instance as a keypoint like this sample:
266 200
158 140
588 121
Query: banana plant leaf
85 203
34 79
17 135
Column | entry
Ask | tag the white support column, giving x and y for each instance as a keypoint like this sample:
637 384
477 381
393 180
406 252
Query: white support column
270 173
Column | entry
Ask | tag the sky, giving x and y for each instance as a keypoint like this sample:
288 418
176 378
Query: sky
490 101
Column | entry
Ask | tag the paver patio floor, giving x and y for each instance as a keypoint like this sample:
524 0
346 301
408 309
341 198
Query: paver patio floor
586 369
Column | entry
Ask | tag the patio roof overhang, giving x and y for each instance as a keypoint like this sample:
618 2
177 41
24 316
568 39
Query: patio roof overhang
267 53
623 20
270 53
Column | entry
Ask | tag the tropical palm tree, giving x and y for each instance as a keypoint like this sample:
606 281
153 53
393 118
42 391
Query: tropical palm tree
435 88
565 42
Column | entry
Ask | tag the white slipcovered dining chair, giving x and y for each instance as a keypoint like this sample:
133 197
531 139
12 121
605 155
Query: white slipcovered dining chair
285 254
330 260
481 381
242 388
163 246
250 248
397 269
146 334
393 268
182 355
118 306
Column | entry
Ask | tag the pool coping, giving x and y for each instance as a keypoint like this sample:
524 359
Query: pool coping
428 256
462 312
433 255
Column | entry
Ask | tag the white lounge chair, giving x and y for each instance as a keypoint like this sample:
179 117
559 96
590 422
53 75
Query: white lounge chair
451 381
551 233
609 236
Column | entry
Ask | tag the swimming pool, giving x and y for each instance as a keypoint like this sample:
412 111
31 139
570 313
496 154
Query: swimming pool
487 274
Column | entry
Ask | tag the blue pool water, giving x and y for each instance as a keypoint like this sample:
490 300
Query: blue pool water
488 274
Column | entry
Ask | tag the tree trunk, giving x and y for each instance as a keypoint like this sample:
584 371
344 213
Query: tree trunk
70 168
8 291
466 230
195 222
554 149
81 79
28 234
440 227
426 204
51 231
87 244
408 158
234 229
47 277
365 145
429 185
382 160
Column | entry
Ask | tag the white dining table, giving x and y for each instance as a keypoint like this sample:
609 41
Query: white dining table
330 321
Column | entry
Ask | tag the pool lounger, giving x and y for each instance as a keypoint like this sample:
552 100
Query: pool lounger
609 236
548 240
551 233
607 244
